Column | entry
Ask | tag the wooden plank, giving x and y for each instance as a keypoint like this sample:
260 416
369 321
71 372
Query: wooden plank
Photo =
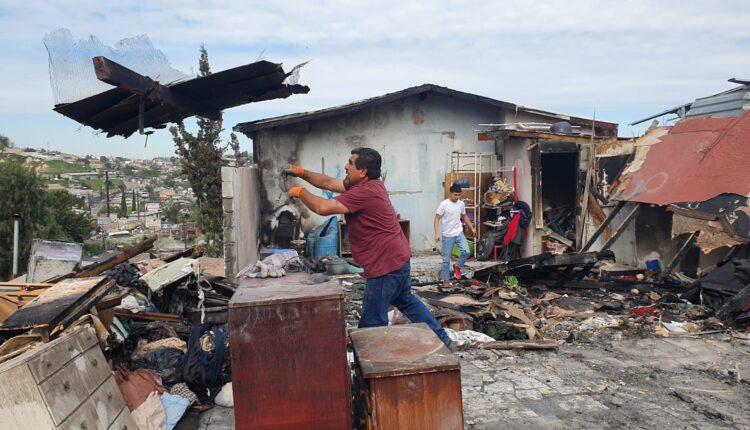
96 269
149 316
120 76
681 253
607 221
520 344
628 219
598 215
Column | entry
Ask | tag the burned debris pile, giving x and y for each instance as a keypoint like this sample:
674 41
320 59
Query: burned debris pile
160 322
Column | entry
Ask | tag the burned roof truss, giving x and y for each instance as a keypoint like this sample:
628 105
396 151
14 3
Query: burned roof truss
139 102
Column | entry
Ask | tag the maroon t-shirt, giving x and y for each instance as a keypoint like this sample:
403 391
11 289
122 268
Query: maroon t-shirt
375 237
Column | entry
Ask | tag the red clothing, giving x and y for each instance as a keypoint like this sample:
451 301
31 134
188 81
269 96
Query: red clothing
375 237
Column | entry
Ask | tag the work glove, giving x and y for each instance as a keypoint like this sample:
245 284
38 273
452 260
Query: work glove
295 191
293 170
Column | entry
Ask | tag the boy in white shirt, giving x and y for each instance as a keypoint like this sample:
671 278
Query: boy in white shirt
449 231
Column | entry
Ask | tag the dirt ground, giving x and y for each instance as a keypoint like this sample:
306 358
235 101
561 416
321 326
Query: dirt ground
635 383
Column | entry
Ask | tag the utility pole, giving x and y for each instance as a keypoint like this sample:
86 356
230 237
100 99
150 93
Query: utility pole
106 185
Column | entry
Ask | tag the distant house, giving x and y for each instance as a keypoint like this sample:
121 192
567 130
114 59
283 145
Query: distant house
80 176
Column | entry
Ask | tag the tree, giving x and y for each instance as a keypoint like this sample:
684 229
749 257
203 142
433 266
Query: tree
43 215
123 212
151 192
201 161
239 156
22 194
5 142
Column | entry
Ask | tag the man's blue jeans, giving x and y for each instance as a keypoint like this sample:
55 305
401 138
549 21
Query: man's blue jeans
395 289
463 248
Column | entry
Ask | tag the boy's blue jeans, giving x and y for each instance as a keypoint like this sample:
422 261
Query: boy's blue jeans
395 289
463 248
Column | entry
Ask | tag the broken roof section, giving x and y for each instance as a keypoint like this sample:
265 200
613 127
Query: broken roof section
248 127
148 91
693 161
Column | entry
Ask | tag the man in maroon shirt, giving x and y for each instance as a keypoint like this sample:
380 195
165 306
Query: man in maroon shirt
375 237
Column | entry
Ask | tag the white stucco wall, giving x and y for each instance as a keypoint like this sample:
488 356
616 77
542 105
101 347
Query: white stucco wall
414 136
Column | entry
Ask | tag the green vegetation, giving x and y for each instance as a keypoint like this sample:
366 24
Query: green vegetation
91 249
43 215
201 160
97 185
56 167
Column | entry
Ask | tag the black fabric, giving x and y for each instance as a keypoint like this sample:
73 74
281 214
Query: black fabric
166 361
525 210
201 369
722 283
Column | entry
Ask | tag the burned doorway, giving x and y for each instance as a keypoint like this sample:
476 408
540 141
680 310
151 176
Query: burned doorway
559 190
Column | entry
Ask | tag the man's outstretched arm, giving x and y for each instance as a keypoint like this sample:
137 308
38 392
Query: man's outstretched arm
319 205
318 180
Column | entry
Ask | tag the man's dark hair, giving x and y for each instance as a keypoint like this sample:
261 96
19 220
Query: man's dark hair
455 188
368 158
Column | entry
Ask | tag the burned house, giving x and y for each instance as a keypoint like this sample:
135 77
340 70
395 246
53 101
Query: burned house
692 183
417 130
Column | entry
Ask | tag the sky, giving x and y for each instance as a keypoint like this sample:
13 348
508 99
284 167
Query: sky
620 61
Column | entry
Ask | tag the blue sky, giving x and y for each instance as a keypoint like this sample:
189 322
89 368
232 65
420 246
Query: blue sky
624 60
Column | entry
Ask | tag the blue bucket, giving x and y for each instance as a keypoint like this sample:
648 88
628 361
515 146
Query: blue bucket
324 240
653 265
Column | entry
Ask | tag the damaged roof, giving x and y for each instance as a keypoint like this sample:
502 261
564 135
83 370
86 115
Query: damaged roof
137 101
251 126
693 161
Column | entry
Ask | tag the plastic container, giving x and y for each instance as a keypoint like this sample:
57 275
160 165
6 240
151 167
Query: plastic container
456 252
324 240
653 265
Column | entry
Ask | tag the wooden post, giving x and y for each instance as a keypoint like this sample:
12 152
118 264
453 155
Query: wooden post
603 226
622 227
680 254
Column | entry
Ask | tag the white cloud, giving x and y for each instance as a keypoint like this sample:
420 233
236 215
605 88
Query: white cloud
626 60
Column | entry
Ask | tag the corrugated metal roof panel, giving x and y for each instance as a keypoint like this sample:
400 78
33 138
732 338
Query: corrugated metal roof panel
695 160
724 105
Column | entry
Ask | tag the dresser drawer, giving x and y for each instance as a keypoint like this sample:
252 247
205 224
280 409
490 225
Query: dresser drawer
124 421
51 360
93 367
108 402
65 390
84 418
86 338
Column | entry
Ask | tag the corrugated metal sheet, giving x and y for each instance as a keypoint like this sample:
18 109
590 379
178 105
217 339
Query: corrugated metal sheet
724 105
697 159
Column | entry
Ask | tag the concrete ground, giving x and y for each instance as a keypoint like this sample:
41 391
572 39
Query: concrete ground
647 383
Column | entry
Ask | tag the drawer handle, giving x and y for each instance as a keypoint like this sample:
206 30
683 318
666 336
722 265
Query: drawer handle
124 427
84 426
48 364
94 362
66 386
109 397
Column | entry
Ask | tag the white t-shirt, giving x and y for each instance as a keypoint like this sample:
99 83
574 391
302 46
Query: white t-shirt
450 221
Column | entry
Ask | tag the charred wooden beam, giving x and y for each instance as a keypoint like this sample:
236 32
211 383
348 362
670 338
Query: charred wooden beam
628 219
680 254
120 76
603 226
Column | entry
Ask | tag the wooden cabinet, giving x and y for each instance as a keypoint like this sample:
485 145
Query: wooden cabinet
65 384
405 378
288 346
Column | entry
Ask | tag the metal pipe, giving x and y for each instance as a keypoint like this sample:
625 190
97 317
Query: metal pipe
16 219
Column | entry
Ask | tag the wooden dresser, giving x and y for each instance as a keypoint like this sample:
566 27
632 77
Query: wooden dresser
65 384
405 378
288 346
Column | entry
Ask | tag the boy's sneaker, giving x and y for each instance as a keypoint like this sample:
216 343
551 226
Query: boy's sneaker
457 272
